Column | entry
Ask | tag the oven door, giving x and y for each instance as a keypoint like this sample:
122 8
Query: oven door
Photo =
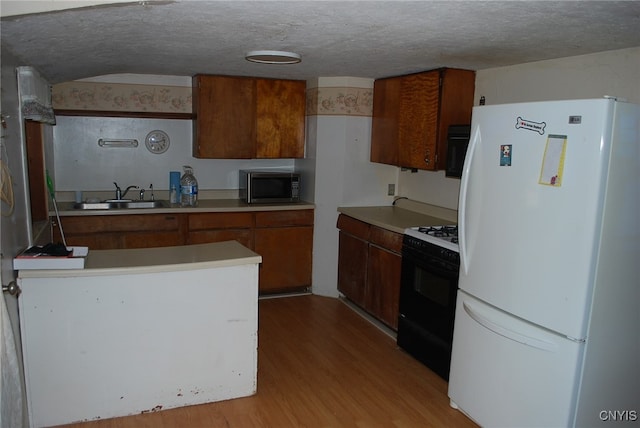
427 309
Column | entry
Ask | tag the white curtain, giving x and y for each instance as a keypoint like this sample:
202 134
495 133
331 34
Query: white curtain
11 388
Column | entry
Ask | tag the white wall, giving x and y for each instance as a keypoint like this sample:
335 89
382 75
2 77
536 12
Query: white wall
81 164
586 76
344 177
338 148
615 73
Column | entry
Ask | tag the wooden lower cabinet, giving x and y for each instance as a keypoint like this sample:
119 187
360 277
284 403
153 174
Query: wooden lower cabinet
369 268
383 285
353 257
217 227
106 232
284 239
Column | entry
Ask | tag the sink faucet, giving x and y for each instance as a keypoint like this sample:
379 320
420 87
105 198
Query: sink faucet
119 194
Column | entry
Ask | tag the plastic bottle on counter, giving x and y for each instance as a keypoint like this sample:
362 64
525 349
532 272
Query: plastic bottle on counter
174 188
189 188
173 195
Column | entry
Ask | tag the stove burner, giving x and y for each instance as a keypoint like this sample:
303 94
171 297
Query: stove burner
441 231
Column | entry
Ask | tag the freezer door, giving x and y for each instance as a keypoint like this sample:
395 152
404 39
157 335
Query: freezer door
528 240
506 372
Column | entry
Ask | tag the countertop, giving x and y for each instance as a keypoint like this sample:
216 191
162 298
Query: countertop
204 205
403 215
153 260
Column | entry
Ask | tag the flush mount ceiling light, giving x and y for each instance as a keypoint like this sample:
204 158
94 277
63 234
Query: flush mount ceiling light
273 57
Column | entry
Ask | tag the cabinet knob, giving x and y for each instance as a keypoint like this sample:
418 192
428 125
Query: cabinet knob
427 159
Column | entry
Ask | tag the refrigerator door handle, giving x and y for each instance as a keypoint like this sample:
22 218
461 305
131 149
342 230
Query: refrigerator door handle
493 326
462 202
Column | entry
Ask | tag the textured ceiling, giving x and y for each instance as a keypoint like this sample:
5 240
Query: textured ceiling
334 38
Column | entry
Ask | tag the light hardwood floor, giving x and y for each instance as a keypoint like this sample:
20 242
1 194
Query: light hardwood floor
320 365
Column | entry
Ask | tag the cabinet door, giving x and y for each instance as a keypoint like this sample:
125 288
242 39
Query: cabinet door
384 127
286 258
225 124
284 239
353 255
382 297
38 194
456 105
412 114
280 118
418 120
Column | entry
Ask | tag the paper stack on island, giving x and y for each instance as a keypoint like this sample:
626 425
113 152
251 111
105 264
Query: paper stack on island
51 256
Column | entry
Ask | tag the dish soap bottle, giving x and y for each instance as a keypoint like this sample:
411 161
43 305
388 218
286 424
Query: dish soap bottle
173 195
188 188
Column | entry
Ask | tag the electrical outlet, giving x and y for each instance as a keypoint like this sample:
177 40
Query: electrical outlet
391 189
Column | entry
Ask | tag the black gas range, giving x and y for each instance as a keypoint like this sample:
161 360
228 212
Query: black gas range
441 236
430 266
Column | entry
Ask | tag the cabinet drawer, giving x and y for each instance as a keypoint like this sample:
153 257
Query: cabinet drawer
120 223
151 239
206 221
354 227
243 236
284 218
384 238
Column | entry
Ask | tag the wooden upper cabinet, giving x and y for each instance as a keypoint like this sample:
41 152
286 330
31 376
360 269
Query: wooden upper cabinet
225 117
412 113
248 118
280 118
386 108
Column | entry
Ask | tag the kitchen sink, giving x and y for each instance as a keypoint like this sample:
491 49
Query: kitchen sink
119 205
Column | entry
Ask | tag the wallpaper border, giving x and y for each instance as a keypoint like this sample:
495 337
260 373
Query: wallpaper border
121 97
342 101
99 96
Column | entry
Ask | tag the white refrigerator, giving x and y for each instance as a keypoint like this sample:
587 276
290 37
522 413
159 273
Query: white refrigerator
547 327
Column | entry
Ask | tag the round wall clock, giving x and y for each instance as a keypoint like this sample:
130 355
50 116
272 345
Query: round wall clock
157 141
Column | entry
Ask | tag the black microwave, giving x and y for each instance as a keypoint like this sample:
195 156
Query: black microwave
269 186
457 142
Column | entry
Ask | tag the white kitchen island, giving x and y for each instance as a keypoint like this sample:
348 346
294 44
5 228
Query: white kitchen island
139 330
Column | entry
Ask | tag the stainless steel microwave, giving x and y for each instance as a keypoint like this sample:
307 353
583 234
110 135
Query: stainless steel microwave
269 186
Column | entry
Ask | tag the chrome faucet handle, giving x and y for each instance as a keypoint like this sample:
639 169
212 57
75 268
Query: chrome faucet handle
142 194
118 191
